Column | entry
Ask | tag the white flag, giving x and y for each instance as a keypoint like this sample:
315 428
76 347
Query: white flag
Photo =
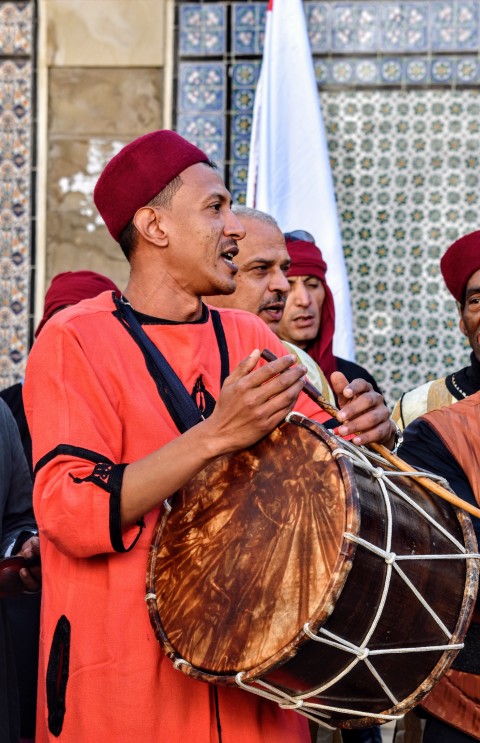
289 173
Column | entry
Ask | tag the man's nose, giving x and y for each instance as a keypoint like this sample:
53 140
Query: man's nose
301 295
279 282
233 227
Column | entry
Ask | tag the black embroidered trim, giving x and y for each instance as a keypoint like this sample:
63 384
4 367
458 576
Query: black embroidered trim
76 451
202 398
115 521
217 714
57 675
222 345
109 477
106 475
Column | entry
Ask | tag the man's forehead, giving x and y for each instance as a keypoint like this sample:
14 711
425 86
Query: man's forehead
263 237
473 283
203 176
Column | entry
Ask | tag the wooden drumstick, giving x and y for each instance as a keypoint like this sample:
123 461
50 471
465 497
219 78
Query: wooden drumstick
314 394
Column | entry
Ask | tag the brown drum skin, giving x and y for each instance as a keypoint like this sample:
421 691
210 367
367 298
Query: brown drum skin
255 547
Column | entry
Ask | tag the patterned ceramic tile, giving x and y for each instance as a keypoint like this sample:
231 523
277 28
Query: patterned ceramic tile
15 219
201 87
248 27
202 29
403 26
319 26
206 131
406 70
405 171
354 27
16 27
455 25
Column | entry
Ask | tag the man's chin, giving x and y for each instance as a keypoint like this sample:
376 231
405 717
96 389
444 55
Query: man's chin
227 288
272 323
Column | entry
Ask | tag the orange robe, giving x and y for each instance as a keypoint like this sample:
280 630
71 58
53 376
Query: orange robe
90 400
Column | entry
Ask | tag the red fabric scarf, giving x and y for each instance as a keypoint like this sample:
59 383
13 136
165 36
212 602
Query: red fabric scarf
307 260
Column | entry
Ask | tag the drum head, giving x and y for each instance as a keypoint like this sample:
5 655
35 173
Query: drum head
253 548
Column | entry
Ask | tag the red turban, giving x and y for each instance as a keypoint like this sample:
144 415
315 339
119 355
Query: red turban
71 287
307 260
138 173
460 261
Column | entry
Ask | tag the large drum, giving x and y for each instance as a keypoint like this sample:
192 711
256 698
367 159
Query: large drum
311 572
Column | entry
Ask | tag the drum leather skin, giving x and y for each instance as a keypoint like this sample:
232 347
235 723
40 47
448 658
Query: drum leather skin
256 546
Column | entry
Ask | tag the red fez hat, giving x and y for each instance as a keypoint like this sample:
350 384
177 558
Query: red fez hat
138 173
460 261
307 260
71 287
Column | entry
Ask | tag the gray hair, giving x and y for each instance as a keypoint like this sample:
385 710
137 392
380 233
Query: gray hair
249 213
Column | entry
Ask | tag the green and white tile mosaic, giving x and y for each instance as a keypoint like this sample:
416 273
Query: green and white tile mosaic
406 172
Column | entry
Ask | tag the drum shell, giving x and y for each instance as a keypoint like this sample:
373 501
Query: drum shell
344 600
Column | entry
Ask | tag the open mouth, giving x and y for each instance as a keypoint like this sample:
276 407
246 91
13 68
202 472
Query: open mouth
229 256
274 310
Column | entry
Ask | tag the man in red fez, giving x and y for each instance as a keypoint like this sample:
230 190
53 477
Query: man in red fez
453 704
138 394
309 316
460 266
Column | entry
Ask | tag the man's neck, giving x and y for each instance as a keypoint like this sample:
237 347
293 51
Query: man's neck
160 300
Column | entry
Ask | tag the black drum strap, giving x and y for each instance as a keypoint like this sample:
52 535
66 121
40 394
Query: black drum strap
173 392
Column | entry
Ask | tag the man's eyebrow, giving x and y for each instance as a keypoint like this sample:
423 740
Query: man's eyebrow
224 196
472 290
260 259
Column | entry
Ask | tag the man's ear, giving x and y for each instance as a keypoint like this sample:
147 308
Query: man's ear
148 222
462 327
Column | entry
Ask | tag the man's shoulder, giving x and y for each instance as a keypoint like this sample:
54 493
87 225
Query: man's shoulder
101 304
420 400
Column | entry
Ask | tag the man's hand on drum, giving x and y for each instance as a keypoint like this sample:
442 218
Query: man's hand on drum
253 401
363 412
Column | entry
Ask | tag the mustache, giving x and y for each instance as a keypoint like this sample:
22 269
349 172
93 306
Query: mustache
277 298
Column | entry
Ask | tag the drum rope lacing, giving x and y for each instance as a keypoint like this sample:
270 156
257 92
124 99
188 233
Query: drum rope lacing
362 653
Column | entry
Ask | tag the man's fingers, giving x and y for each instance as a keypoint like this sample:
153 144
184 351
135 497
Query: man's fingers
379 434
338 382
244 367
256 378
277 407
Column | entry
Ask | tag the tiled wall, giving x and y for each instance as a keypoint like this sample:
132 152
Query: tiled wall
16 174
399 93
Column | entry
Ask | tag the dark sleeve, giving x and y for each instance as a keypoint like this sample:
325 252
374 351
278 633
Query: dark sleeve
15 483
355 371
14 399
424 449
